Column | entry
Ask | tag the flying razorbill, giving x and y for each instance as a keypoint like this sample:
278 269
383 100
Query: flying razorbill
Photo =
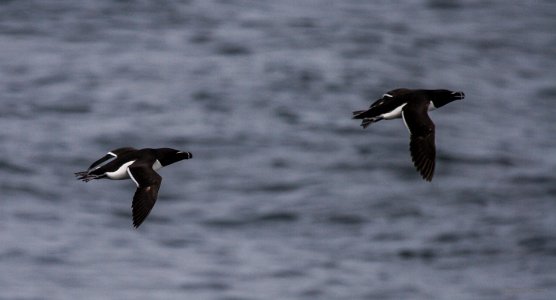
412 106
140 166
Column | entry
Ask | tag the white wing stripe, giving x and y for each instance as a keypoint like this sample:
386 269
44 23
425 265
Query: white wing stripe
405 122
132 178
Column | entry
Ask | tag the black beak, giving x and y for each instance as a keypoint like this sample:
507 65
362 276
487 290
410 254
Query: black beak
459 95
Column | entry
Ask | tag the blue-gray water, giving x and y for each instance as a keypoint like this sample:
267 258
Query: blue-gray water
286 197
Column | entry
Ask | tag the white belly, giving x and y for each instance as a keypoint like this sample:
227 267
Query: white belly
396 113
121 172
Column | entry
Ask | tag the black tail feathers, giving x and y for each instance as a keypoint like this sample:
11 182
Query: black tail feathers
357 114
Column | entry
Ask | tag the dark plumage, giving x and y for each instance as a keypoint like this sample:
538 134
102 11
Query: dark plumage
412 106
140 166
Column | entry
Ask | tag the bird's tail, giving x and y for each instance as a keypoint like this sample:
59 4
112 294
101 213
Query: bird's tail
358 114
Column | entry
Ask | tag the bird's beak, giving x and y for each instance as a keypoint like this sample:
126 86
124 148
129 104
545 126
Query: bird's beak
459 95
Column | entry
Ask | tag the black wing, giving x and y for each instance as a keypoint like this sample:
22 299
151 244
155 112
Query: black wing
381 106
421 128
110 155
101 160
148 182
89 174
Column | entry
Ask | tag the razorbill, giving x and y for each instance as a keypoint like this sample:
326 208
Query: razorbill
140 166
412 106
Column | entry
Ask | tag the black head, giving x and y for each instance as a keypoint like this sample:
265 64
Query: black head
167 156
442 97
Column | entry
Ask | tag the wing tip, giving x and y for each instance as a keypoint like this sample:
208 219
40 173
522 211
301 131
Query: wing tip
138 219
425 167
428 177
136 224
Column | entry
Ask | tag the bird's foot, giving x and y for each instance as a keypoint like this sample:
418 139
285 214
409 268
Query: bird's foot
86 177
368 121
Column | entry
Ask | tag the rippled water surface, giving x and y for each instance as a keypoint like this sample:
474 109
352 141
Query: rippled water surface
286 197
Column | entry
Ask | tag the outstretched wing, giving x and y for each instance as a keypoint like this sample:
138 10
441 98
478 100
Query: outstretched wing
110 155
148 182
384 105
421 128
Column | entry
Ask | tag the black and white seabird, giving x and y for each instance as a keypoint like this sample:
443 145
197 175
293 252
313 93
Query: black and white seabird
140 166
412 107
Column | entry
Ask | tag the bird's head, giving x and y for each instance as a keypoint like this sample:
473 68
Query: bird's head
443 97
169 156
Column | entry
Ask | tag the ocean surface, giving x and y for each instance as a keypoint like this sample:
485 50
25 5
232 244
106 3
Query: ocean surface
286 196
